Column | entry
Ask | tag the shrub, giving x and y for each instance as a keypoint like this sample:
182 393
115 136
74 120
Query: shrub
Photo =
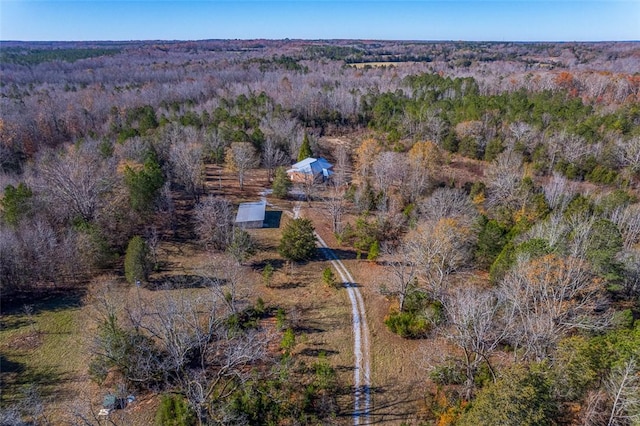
329 277
374 251
281 317
267 274
137 263
288 341
449 373
174 411
407 324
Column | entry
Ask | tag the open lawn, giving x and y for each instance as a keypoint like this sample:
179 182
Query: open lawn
44 353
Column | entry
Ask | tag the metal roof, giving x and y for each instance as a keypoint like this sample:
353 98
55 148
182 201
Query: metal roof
251 212
311 166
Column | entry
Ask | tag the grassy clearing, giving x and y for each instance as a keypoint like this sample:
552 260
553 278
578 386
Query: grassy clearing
43 348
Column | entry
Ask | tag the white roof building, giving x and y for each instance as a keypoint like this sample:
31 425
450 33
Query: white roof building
251 215
310 168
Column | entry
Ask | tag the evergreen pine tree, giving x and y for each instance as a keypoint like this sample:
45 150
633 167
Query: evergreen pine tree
305 148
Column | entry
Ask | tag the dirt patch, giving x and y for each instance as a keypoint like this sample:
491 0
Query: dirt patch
220 182
25 342
461 170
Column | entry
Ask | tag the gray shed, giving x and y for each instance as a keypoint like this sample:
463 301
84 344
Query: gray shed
251 215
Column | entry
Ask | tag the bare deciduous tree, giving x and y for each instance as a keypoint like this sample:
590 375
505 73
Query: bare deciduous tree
547 297
623 388
272 157
342 168
365 155
214 222
404 272
389 170
440 249
449 203
473 326
187 166
336 206
75 182
241 157
424 159
629 154
503 179
558 192
628 221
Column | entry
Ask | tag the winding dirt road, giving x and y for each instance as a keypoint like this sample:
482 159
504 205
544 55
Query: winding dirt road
362 367
361 349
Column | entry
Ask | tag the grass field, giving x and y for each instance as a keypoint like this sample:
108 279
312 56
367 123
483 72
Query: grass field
43 350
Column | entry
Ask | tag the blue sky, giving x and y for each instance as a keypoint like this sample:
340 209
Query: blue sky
520 20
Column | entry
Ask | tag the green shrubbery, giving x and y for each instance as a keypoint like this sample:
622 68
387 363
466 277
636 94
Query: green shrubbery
174 411
137 263
418 318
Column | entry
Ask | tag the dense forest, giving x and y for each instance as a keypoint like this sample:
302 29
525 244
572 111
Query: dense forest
494 186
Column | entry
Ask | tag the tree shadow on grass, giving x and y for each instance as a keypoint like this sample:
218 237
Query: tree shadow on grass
42 300
275 263
180 282
342 254
308 329
13 322
316 352
388 412
9 366
288 285
15 377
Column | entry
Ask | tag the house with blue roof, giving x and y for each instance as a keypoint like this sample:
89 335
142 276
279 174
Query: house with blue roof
311 170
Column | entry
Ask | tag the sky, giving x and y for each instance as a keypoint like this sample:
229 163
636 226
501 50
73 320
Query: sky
472 20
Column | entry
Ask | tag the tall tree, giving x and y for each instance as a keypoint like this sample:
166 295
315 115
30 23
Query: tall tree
272 157
187 166
241 157
520 398
473 326
281 183
15 203
214 222
305 148
365 155
440 249
547 297
74 182
144 183
336 206
424 160
298 240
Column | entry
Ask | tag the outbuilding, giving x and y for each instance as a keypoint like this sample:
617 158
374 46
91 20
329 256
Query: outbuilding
251 215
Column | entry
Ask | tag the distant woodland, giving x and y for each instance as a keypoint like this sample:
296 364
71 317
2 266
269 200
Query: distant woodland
496 185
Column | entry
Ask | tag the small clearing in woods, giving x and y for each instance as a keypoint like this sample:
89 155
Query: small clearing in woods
58 354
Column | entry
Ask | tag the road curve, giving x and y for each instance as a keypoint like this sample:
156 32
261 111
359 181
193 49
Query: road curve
361 349
362 367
